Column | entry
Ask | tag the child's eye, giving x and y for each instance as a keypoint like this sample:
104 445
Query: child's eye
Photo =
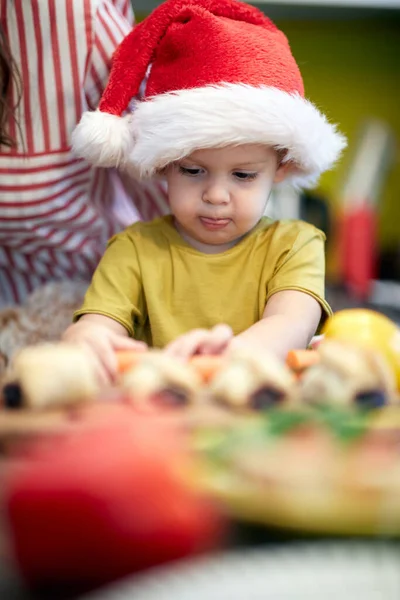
245 176
191 171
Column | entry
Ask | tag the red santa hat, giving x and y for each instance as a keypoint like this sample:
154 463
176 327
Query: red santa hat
219 73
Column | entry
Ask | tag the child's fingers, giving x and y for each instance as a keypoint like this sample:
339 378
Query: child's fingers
217 340
126 352
187 345
121 342
102 347
102 374
201 341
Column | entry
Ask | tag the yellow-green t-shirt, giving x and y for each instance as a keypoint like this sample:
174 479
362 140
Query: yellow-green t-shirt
158 287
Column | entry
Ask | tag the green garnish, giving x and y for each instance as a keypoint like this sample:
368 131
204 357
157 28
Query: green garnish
345 424
280 422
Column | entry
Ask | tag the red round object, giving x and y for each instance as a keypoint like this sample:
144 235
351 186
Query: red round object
105 501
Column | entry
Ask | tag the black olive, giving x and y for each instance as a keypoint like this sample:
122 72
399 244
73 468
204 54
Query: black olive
13 397
266 397
371 399
171 397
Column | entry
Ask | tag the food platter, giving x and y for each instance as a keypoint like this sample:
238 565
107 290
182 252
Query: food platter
309 448
322 472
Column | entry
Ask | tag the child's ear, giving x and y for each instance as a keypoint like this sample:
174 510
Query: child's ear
283 170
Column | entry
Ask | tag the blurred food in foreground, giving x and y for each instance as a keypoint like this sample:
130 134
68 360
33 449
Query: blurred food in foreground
108 499
324 470
100 483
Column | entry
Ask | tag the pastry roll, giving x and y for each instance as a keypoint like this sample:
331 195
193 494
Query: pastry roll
348 375
253 381
162 380
49 375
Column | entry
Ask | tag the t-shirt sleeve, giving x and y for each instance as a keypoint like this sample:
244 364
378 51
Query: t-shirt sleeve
301 266
116 289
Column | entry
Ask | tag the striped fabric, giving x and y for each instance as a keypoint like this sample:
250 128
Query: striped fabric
56 211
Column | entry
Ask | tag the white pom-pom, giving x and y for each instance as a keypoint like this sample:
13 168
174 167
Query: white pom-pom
103 139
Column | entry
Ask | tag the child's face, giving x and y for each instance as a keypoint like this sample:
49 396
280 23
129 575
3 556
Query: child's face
218 195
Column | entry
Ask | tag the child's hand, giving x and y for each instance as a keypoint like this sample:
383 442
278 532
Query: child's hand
101 341
201 341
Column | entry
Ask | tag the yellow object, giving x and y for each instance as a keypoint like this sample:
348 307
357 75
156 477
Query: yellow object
158 287
368 329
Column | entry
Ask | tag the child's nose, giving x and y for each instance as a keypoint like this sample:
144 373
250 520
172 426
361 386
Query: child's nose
216 193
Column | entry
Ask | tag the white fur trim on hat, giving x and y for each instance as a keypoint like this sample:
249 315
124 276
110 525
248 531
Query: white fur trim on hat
168 127
103 139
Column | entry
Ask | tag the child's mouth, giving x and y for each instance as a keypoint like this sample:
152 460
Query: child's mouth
214 224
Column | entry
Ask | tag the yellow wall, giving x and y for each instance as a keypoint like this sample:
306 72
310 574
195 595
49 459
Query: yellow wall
351 70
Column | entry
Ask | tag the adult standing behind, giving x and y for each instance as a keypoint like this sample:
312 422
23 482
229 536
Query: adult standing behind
56 211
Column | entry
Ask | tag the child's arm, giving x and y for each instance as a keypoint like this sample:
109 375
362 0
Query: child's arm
289 321
102 337
112 302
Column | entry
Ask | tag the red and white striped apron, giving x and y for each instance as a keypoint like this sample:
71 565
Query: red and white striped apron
56 211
